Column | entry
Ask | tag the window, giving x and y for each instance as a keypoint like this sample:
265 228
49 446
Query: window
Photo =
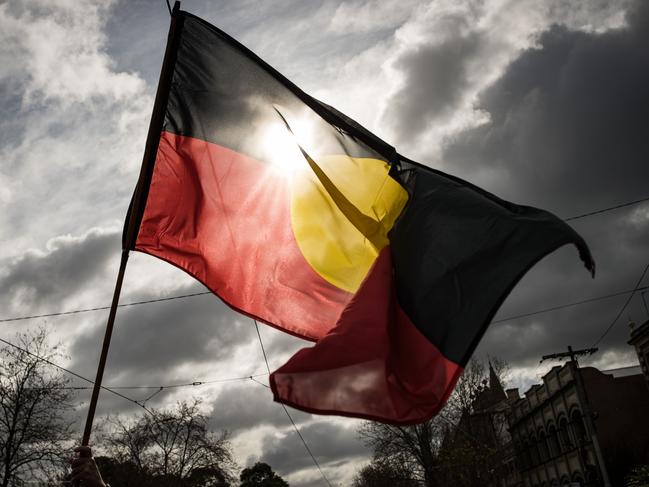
519 460
553 441
534 450
564 435
578 428
543 447
527 456
578 478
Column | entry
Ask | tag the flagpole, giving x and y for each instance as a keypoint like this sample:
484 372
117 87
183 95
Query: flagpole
104 348
136 209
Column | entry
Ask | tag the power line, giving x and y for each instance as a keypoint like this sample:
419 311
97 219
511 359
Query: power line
568 305
101 308
204 293
502 320
603 210
626 303
260 383
263 350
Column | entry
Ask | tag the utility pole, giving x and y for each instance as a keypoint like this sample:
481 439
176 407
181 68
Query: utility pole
583 399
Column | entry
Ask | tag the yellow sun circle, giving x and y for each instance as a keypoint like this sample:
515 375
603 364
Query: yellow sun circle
341 213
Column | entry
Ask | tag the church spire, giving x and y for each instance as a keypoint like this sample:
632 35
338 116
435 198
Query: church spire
496 390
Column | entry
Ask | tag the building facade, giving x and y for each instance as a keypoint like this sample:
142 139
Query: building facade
552 442
640 341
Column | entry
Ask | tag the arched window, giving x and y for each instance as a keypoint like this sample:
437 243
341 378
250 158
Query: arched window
577 477
591 474
578 428
564 435
519 461
543 447
553 441
534 450
527 456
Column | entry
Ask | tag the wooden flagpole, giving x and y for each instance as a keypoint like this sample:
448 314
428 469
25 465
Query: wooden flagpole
104 349
138 202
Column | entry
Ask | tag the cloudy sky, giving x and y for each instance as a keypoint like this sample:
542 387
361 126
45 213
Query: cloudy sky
544 103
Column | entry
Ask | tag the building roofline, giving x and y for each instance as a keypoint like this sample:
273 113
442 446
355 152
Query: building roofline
638 332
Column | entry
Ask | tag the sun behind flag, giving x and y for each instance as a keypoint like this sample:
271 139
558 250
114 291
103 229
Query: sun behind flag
295 215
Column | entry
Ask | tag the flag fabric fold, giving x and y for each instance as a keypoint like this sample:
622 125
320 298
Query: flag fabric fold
295 215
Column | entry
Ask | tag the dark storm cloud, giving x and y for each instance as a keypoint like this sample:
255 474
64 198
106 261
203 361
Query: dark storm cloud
11 126
279 344
568 132
568 121
162 344
150 341
248 405
37 279
329 442
435 80
620 251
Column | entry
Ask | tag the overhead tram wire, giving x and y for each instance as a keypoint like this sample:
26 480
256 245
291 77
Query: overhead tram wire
195 383
626 303
263 351
160 388
175 386
113 389
204 293
79 376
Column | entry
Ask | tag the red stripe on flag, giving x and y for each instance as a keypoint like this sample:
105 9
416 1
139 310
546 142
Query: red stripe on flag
374 364
224 218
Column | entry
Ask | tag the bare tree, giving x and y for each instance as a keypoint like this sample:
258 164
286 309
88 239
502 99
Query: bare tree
408 450
174 446
34 404
380 474
415 452
474 380
261 475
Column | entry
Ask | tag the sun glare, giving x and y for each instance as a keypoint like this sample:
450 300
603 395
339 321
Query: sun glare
283 147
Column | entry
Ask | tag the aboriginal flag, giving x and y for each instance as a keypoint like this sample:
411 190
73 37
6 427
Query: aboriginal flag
297 216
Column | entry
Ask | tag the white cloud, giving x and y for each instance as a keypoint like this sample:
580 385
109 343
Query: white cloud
61 46
70 150
639 217
369 15
422 62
